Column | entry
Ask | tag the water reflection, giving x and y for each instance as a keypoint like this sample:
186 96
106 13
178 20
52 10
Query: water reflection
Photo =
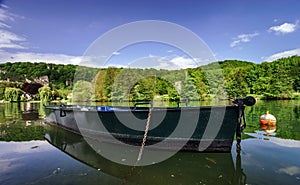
287 115
182 168
269 129
30 111
14 111
21 122
266 159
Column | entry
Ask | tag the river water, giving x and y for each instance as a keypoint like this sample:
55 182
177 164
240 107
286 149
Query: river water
32 152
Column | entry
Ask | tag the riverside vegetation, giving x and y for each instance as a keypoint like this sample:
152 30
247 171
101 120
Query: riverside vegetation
279 79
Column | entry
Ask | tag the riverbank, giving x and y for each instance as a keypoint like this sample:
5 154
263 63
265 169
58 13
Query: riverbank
208 98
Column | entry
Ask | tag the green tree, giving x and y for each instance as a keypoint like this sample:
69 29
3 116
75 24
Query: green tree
189 90
13 94
46 94
200 81
3 86
144 90
236 85
83 91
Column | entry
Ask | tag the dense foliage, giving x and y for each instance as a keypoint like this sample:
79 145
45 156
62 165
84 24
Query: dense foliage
46 94
59 75
226 79
3 86
13 94
16 131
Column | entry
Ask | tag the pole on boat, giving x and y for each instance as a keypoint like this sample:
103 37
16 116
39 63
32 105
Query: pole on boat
241 102
62 111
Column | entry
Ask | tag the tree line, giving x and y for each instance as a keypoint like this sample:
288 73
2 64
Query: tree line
279 79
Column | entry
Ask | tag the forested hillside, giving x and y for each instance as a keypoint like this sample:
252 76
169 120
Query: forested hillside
59 75
270 80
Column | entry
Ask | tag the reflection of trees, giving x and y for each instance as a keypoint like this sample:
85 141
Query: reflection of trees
19 130
296 112
20 122
12 110
286 113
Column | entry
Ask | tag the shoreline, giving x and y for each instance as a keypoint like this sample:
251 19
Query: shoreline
296 96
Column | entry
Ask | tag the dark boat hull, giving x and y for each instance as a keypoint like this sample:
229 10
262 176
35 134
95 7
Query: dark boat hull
170 128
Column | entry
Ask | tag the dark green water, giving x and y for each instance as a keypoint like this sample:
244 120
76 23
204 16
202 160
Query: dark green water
34 153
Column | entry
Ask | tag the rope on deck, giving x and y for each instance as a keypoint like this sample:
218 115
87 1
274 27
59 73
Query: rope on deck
141 149
145 136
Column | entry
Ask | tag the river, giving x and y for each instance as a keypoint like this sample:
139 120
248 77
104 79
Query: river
32 152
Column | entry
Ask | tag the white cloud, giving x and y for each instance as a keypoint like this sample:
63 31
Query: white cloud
39 57
283 54
116 53
184 63
284 28
3 6
3 25
13 151
167 62
110 65
23 147
290 170
243 38
11 40
156 62
6 16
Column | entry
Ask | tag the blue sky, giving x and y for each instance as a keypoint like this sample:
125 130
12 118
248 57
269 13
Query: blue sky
59 31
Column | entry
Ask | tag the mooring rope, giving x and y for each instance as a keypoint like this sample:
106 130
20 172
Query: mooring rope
141 148
145 136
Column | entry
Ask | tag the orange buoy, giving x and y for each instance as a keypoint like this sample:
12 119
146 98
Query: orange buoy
267 119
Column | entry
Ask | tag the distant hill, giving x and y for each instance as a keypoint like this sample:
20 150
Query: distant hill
229 64
59 75
271 80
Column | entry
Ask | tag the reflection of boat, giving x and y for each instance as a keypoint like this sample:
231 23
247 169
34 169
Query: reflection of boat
182 168
188 128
